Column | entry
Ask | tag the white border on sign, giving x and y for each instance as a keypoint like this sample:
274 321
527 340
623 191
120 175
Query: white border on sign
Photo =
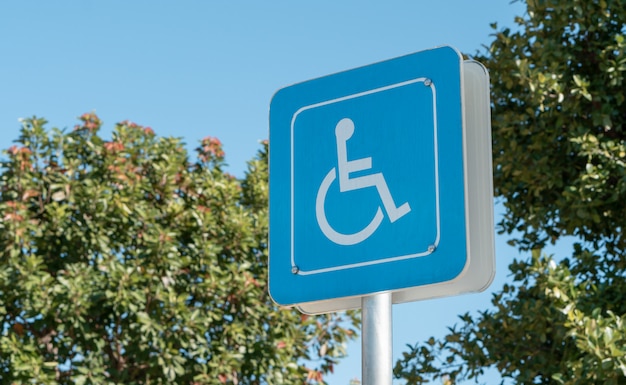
426 252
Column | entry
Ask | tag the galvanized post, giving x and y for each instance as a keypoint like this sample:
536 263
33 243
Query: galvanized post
376 339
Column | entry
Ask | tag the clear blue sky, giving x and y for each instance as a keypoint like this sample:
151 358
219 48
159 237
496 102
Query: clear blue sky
197 68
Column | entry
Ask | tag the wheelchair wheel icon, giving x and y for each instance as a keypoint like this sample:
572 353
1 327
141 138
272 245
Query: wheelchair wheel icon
329 232
344 131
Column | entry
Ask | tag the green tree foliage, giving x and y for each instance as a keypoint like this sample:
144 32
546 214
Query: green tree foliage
559 135
122 262
559 122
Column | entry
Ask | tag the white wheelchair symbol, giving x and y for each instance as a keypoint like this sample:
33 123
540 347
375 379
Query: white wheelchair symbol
343 132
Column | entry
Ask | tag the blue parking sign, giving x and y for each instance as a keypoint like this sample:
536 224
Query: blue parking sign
367 181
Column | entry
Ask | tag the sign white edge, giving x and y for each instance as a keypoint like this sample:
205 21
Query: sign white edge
395 258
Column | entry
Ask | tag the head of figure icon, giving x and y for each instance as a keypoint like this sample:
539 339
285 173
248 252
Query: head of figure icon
344 129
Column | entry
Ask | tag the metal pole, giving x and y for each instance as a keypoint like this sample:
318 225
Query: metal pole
376 339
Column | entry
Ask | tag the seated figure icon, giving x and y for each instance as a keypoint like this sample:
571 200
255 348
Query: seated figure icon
343 132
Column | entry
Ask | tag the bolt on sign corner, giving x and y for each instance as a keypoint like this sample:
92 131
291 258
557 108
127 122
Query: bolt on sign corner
380 180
